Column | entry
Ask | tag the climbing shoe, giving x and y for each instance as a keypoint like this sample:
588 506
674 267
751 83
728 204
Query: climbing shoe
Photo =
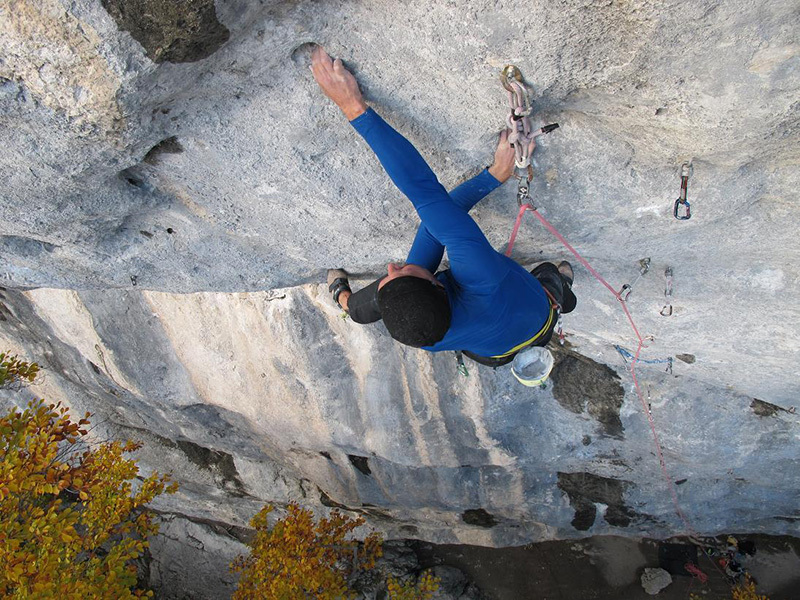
337 283
566 272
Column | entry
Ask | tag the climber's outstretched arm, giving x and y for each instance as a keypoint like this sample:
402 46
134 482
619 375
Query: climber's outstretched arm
473 261
427 251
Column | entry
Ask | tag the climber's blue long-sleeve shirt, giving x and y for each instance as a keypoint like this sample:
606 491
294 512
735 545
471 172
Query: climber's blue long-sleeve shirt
495 303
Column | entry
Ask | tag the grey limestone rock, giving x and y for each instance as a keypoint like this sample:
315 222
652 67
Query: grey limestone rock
173 187
655 580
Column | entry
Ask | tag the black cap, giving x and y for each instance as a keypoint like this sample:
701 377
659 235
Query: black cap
415 311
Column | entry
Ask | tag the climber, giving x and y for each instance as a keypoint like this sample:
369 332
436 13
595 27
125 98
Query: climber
485 305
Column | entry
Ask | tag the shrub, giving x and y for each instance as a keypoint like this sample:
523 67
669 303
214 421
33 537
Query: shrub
14 371
71 522
299 559
423 589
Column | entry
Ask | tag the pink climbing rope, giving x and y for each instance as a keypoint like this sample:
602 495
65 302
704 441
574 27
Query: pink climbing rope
585 263
696 572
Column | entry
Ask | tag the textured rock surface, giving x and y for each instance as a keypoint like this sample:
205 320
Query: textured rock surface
272 396
263 181
175 184
655 580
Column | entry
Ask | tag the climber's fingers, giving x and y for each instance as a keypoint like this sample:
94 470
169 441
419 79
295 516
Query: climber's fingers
320 59
337 83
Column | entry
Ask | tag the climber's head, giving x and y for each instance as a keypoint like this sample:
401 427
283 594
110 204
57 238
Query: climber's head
413 305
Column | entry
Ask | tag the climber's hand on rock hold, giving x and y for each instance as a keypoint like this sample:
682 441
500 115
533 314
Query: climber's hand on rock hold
503 166
337 83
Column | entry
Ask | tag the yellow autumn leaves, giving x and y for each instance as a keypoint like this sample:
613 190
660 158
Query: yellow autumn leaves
73 519
70 519
297 559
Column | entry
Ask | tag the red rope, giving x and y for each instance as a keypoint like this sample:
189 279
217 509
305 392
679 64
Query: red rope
584 262
696 572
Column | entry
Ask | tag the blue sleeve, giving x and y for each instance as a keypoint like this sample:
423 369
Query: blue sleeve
472 191
427 251
473 261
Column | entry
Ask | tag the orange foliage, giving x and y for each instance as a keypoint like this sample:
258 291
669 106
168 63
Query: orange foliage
13 370
746 591
298 559
70 520
423 589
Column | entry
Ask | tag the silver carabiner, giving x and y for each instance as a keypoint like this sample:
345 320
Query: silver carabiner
682 210
523 190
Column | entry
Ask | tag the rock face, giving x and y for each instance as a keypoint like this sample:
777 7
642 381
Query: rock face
174 185
272 396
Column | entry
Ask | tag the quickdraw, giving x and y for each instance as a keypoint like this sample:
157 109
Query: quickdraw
628 355
682 210
667 310
560 329
521 134
644 267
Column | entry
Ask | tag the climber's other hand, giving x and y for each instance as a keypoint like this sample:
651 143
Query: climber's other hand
337 83
503 166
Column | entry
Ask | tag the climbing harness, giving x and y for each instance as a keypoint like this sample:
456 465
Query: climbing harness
553 314
667 310
521 134
511 79
682 210
644 267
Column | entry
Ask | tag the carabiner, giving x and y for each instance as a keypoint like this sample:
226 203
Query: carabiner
682 210
523 191
560 329
461 367
524 188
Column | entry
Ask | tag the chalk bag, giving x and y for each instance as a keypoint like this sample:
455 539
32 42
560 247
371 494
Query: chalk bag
532 366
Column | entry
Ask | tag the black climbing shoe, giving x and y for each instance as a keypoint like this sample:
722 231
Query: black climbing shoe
566 272
337 283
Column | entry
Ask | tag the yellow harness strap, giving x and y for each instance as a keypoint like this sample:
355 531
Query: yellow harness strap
550 318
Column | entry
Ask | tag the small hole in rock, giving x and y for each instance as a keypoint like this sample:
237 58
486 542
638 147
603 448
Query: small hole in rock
301 55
